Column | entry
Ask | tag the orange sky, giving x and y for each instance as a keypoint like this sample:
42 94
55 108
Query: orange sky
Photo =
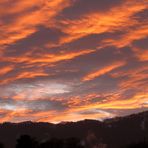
68 60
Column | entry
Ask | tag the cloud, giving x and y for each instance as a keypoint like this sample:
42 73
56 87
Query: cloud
25 21
103 71
5 70
108 21
68 60
32 91
79 8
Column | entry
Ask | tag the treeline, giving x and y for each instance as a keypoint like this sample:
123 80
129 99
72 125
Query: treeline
142 144
26 141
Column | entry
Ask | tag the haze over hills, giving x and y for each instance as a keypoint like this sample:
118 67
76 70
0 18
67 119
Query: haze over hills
115 133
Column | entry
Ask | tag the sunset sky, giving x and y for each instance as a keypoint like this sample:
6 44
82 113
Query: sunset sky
68 60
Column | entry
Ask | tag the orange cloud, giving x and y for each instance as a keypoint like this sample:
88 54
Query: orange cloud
120 26
10 114
132 35
49 58
135 79
30 75
66 116
137 101
132 103
22 75
25 23
117 18
141 54
5 70
103 71
79 112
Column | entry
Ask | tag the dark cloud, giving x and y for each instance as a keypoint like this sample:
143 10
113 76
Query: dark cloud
46 105
79 8
142 43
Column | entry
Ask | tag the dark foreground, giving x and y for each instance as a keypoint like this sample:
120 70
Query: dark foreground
123 132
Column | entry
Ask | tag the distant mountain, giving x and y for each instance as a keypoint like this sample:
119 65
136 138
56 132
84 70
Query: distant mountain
115 133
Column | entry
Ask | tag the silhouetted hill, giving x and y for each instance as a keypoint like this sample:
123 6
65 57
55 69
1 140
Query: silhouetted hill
116 133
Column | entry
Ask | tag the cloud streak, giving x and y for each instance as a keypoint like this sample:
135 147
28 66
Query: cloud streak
68 60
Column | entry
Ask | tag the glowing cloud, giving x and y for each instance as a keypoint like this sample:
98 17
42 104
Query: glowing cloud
103 71
65 60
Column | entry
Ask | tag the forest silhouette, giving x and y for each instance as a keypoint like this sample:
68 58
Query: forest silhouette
122 132
26 141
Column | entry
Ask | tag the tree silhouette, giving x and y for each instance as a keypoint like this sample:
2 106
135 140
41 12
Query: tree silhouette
61 143
139 145
25 141
1 145
52 143
73 143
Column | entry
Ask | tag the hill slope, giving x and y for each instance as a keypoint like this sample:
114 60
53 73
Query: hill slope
115 132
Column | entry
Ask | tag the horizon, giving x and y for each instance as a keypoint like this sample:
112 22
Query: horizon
71 60
65 122
93 133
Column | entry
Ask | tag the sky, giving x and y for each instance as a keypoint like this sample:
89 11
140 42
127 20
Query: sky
69 60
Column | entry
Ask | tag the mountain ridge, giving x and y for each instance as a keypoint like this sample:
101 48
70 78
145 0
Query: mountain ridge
115 132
